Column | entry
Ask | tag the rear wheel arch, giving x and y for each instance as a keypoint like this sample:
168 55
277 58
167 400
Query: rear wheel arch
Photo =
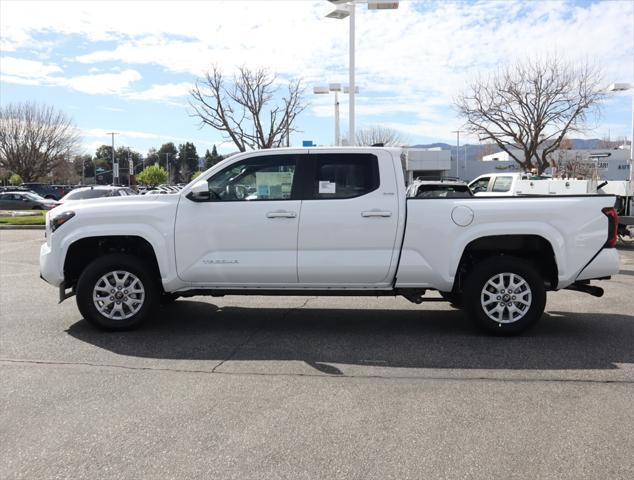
533 248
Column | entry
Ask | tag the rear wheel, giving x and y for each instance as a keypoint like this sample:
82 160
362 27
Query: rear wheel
504 295
116 292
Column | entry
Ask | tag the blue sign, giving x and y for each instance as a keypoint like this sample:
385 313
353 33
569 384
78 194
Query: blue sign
308 143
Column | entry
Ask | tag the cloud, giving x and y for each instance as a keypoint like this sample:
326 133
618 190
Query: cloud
32 72
104 83
110 109
410 61
32 69
162 91
98 132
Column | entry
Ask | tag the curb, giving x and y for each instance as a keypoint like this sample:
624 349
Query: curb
22 227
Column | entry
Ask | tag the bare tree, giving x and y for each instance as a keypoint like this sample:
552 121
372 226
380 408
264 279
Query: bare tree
35 139
377 134
242 110
531 106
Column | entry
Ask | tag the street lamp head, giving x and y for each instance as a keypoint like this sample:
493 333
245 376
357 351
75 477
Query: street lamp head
321 90
620 87
341 12
382 5
347 89
334 87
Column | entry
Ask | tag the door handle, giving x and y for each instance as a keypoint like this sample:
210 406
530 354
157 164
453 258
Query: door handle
376 213
281 214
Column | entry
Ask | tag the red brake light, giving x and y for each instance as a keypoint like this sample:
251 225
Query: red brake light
613 226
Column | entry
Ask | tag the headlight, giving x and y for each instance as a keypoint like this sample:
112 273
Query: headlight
61 219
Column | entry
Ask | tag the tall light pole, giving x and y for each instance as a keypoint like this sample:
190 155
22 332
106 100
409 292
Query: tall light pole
621 87
167 162
115 164
457 132
336 88
346 8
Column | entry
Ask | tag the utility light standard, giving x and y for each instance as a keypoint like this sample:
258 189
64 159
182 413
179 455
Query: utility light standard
115 164
457 132
343 9
621 87
334 87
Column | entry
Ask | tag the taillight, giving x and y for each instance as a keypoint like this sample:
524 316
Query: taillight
613 226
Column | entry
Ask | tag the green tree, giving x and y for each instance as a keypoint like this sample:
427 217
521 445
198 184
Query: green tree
152 157
83 164
15 179
168 157
152 176
123 155
212 158
187 162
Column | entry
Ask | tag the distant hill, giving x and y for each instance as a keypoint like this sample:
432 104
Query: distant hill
474 152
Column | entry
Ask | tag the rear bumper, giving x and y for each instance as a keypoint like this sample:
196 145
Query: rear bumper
605 264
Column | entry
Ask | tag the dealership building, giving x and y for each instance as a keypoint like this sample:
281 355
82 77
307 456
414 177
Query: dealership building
609 164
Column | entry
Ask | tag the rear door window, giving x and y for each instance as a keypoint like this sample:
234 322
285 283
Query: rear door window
338 176
502 184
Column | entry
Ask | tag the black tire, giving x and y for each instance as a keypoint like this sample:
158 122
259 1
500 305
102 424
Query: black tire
527 301
454 299
93 274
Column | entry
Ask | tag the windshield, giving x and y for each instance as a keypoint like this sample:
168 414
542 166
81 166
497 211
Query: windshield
84 194
443 191
35 197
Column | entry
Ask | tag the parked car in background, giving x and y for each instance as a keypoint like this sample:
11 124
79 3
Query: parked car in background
443 187
52 192
97 191
9 188
25 201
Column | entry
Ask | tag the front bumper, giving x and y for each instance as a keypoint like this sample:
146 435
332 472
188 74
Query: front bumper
50 270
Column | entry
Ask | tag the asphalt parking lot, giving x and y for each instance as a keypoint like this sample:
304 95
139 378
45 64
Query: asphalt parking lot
290 387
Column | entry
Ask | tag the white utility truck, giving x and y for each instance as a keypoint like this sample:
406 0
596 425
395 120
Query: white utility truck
326 221
514 184
518 184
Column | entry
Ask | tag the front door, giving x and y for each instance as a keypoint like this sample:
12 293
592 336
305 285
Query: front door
246 234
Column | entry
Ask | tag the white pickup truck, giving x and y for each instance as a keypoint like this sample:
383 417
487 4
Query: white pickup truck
326 221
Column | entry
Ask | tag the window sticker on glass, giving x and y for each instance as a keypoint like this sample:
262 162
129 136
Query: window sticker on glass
273 185
327 187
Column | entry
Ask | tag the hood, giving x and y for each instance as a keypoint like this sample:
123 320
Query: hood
108 206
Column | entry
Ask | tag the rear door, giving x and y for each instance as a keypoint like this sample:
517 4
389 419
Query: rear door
349 219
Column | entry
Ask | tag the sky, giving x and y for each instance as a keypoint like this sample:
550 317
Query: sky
128 66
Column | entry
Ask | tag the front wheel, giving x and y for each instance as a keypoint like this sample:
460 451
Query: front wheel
116 292
504 295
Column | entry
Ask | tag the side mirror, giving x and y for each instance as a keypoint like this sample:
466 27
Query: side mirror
199 192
